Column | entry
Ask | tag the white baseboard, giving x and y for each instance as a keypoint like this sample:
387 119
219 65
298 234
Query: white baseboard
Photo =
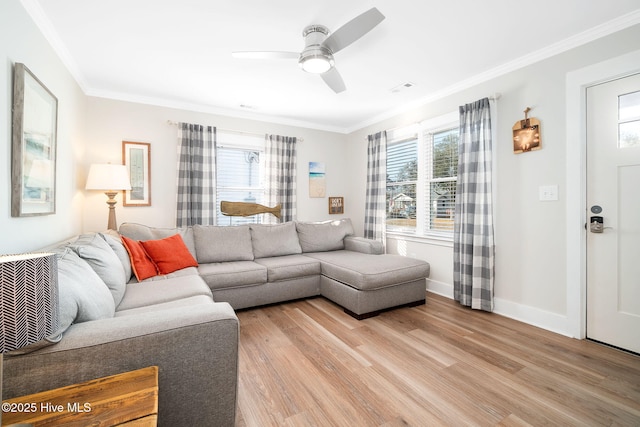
533 316
440 288
523 313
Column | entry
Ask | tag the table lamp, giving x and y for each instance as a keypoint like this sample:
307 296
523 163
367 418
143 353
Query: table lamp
28 301
111 179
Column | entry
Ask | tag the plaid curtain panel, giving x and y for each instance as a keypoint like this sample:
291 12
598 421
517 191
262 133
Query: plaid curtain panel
473 245
280 176
375 214
196 182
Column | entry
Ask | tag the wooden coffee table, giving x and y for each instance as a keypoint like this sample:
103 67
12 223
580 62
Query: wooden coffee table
128 399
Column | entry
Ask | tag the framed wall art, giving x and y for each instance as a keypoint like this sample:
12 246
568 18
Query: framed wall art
317 179
136 156
336 205
33 151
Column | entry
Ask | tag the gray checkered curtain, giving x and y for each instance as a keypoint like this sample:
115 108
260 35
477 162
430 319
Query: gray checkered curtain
280 176
375 214
196 192
473 246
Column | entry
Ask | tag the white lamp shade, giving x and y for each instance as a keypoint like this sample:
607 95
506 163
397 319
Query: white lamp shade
28 299
108 177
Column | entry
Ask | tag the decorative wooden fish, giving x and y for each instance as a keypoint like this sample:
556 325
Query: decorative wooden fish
247 209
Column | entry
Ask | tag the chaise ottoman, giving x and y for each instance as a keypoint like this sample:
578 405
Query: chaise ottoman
366 284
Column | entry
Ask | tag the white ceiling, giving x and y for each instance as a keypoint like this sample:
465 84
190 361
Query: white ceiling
178 52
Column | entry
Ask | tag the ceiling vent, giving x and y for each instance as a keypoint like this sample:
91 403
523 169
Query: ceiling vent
402 87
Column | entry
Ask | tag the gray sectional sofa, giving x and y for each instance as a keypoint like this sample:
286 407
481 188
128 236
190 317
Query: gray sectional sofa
184 321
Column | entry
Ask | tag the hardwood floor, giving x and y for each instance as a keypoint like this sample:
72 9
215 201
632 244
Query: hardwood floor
307 363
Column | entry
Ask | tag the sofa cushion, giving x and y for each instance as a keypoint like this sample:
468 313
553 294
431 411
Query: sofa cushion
113 239
220 244
103 260
289 267
161 291
368 272
233 274
143 232
323 236
184 303
169 254
141 263
189 271
83 296
274 240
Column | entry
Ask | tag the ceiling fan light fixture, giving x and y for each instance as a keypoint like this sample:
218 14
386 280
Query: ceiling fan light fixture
316 65
316 60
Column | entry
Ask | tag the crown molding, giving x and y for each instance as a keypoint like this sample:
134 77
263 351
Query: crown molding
211 109
38 16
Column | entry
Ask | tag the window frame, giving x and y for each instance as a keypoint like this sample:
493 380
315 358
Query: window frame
424 131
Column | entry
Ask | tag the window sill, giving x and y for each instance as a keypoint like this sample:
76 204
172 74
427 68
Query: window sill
429 239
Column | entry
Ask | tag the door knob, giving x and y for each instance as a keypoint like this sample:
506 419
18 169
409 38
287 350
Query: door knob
596 224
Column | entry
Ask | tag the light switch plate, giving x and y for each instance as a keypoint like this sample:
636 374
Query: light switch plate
548 193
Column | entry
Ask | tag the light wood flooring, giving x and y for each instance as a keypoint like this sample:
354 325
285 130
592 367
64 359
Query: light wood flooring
307 363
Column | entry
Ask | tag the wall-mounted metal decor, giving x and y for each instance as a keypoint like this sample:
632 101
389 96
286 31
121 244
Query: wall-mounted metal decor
33 155
526 134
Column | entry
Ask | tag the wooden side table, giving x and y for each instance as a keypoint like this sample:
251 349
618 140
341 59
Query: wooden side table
128 399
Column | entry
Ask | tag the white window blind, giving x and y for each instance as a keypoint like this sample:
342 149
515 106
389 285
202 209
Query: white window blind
402 179
440 177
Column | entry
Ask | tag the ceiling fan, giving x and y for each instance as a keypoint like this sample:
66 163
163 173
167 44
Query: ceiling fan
319 47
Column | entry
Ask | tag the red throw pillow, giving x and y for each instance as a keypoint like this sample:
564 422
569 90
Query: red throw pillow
169 254
141 264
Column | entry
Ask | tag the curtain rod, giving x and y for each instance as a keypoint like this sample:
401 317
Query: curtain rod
236 132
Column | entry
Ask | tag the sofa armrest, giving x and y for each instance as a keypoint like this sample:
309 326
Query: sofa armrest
360 244
196 350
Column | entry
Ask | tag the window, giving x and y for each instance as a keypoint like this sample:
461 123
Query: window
441 167
240 159
422 169
402 180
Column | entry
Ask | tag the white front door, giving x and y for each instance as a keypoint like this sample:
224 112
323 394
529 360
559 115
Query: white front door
613 213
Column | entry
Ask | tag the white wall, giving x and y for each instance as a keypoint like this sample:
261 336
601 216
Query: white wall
530 234
110 122
21 41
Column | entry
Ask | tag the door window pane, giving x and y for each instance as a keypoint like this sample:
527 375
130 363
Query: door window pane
629 120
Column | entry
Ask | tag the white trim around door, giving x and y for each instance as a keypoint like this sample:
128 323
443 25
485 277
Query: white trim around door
576 85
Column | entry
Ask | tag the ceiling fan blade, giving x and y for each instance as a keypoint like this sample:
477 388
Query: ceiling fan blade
266 55
353 30
333 79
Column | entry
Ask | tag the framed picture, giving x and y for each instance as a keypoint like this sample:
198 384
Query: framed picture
33 151
136 156
336 205
317 179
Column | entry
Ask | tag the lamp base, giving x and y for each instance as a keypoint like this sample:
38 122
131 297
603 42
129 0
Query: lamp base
111 223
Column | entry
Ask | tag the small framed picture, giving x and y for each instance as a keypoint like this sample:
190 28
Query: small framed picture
336 205
136 156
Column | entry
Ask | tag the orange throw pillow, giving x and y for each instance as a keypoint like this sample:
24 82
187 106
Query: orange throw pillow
141 264
169 254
